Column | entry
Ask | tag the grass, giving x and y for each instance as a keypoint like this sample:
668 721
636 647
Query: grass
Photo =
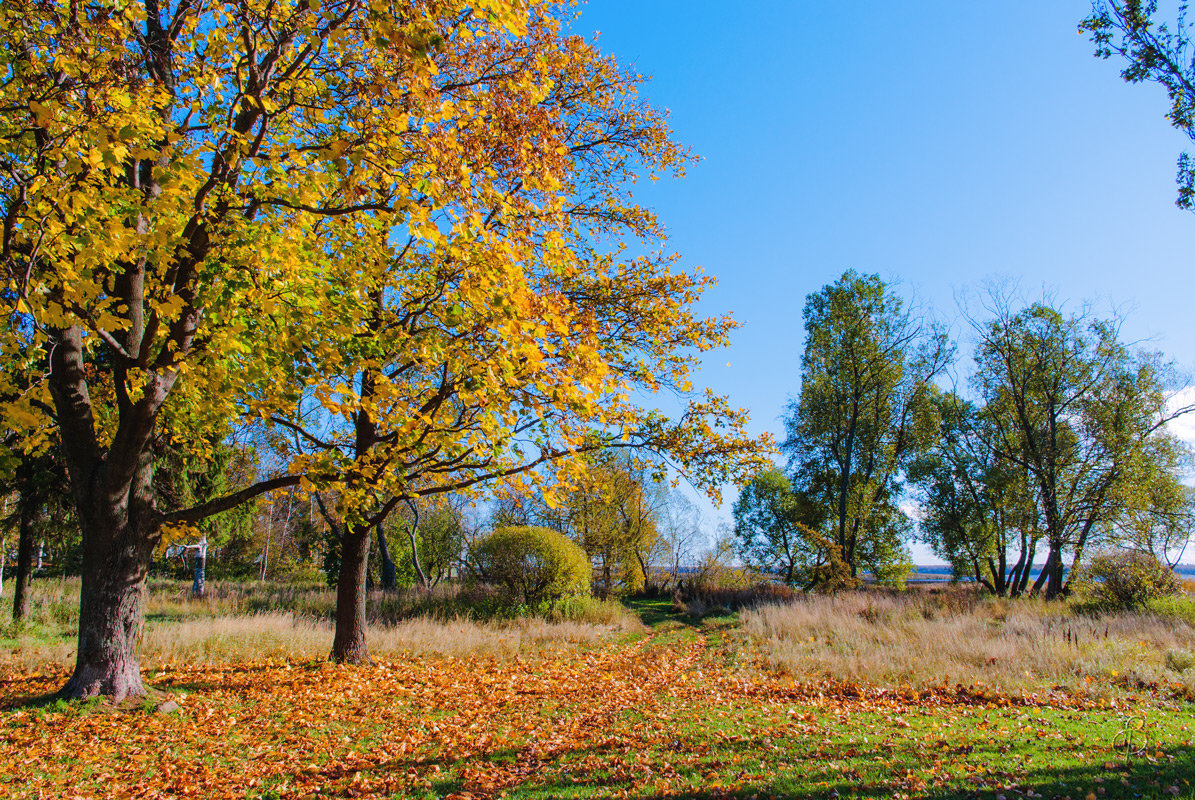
917 638
679 706
243 622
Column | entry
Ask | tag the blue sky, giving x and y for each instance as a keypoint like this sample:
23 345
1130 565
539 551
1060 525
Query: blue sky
939 144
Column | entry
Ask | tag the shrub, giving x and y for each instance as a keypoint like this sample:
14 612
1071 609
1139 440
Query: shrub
1178 606
530 566
1128 579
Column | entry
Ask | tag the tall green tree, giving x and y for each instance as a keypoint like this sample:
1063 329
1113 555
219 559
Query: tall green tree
1082 415
864 412
39 511
1155 509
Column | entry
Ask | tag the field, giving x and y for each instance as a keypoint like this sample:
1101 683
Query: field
780 701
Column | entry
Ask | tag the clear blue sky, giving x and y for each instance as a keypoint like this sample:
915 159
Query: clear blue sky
938 144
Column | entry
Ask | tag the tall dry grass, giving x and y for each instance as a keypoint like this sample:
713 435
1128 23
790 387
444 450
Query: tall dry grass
922 639
242 622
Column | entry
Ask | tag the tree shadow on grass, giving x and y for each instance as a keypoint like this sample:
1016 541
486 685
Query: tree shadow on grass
1170 777
750 768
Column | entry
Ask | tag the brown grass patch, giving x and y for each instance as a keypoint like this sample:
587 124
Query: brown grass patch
222 628
921 638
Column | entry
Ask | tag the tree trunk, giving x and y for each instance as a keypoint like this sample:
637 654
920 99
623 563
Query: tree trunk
265 554
199 578
348 645
1014 578
20 583
1027 567
110 615
1054 588
389 571
412 529
1051 574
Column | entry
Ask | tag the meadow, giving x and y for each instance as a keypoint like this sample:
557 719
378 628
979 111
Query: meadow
869 694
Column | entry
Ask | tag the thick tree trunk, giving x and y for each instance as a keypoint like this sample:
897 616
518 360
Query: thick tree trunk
1027 567
110 615
20 583
999 582
1054 588
1050 578
1014 578
348 645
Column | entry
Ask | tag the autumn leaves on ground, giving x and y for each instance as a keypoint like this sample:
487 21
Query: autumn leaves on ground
661 703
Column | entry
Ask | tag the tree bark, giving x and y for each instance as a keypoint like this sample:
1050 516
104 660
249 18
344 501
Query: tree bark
110 613
348 645
20 583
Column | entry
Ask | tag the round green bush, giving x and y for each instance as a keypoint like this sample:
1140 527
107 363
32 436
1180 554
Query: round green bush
531 566
1128 579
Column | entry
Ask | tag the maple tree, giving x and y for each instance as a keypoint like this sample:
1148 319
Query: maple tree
505 327
162 167
385 217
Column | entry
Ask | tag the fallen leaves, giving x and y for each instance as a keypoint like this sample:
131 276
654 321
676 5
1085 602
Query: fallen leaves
656 717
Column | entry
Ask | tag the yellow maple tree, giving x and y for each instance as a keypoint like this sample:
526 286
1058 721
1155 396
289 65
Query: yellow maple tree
393 229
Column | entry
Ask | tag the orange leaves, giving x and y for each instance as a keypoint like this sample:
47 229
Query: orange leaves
661 716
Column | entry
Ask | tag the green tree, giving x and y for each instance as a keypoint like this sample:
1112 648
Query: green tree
864 411
977 512
1155 510
39 512
778 531
1081 414
188 477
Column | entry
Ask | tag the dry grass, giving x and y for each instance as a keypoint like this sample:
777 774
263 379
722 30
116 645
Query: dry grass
921 639
221 627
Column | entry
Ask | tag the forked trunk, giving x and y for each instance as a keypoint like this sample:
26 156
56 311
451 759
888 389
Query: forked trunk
110 616
348 645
